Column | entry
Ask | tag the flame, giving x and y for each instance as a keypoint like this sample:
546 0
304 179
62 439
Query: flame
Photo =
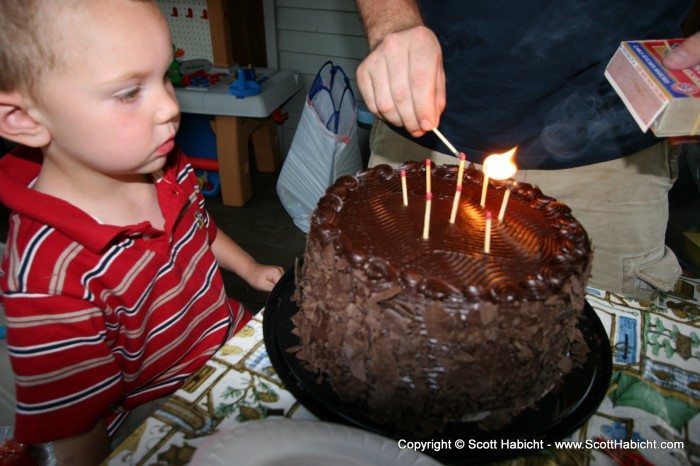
500 166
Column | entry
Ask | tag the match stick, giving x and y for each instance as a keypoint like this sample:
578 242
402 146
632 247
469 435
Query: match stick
694 131
426 219
428 188
404 188
455 204
483 191
460 172
487 233
506 196
447 143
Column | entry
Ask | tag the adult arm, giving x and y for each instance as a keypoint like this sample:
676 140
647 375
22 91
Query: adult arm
685 55
232 257
402 79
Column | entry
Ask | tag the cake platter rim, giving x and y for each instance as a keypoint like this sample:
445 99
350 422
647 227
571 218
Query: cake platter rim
301 383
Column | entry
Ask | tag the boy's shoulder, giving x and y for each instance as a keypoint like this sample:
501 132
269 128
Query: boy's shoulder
35 213
19 166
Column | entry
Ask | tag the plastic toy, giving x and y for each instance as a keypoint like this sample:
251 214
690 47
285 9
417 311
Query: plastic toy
243 87
209 182
201 78
250 73
174 70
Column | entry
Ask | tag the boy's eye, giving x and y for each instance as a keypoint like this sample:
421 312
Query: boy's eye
129 95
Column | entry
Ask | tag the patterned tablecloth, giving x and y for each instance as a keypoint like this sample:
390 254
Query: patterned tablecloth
653 401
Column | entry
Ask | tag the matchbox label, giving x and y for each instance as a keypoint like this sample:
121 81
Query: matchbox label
643 73
685 88
649 56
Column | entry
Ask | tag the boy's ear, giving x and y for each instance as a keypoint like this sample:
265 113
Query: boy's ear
17 123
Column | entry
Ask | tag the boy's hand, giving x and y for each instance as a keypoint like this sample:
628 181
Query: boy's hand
684 55
264 277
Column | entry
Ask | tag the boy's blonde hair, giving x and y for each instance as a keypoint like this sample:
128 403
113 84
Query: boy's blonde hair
28 41
25 52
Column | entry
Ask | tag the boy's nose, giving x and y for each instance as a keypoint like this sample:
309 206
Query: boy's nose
169 108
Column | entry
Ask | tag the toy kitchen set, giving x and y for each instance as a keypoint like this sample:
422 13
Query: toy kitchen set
224 105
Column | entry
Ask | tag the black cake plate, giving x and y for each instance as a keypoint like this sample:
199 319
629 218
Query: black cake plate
556 415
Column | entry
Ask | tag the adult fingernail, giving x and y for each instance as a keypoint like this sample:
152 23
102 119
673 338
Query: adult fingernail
676 56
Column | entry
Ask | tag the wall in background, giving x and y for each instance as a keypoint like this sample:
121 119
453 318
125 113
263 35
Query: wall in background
189 26
248 32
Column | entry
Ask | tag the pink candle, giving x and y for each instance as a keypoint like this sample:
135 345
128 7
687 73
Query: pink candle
404 189
487 233
426 220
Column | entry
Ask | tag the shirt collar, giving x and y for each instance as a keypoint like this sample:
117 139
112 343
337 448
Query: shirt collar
19 168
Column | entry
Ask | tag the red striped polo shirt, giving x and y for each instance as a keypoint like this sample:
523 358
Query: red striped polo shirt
101 318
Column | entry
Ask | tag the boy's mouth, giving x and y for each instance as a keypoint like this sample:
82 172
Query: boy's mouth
166 147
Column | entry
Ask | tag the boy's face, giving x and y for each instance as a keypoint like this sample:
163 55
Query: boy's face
109 105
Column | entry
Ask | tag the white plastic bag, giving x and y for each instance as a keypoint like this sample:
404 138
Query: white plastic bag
324 147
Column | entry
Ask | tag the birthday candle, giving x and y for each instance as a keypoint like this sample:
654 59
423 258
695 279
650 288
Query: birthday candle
404 189
426 220
487 233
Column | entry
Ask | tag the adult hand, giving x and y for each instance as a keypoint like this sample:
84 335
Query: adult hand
684 55
402 80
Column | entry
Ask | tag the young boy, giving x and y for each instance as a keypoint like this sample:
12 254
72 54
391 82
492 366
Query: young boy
110 283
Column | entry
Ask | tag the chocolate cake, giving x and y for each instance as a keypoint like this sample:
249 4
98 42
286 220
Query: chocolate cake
420 332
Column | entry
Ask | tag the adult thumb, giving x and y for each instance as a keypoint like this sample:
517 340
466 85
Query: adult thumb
685 54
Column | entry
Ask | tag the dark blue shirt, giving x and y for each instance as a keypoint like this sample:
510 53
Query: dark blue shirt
530 73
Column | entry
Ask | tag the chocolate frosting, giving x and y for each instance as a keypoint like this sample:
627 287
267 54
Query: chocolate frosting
424 331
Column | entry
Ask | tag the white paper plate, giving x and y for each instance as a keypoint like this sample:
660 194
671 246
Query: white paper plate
286 442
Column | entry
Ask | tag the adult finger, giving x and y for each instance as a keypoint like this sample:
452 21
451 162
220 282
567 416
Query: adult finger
397 51
685 54
427 80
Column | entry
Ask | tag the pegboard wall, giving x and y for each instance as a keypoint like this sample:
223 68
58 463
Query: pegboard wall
189 26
